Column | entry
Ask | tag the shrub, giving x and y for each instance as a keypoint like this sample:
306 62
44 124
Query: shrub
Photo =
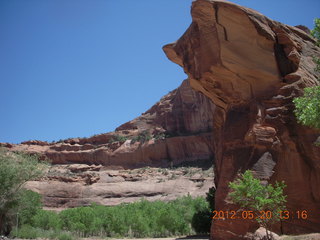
182 216
65 236
29 203
26 231
211 198
201 221
118 138
316 31
47 220
15 170
251 195
143 137
308 108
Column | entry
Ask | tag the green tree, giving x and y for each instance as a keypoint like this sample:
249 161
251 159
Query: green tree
316 34
15 170
211 198
316 31
29 203
307 107
265 201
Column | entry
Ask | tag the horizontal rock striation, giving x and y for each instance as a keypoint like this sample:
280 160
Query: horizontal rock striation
74 185
252 68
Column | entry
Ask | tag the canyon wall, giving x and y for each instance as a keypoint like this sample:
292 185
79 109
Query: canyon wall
252 67
177 129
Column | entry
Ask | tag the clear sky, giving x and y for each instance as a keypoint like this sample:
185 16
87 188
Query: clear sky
75 68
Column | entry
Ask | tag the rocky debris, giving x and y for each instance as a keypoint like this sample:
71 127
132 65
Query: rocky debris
260 234
80 185
252 67
176 129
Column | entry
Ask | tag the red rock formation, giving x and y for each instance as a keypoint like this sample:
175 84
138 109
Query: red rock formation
74 185
252 67
180 126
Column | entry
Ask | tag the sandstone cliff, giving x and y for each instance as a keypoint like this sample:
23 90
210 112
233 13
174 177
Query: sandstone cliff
176 129
252 67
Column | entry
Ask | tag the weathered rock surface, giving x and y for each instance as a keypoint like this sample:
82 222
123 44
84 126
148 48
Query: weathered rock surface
176 129
252 67
75 185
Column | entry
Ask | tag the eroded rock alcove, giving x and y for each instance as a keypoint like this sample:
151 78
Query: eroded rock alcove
252 67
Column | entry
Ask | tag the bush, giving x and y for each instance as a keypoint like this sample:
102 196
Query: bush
15 170
211 198
47 220
118 138
251 195
29 232
316 31
65 236
26 231
29 203
183 216
308 108
142 137
201 221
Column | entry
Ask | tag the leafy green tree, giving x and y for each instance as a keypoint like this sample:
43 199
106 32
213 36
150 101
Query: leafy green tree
264 202
308 107
15 170
211 198
316 31
29 203
316 34
47 220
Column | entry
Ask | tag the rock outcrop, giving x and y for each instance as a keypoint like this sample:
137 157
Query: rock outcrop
74 185
176 129
252 68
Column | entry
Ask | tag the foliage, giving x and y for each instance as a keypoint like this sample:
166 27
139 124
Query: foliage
134 220
317 61
161 136
201 221
211 198
118 138
143 137
47 220
308 108
251 195
29 232
15 170
29 203
316 34
316 31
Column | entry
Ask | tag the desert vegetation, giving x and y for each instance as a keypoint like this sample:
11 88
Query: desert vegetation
258 201
185 215
15 170
307 107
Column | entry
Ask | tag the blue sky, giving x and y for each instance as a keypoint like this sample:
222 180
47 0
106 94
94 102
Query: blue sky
74 68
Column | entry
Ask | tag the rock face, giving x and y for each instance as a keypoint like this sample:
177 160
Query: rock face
75 185
252 67
176 129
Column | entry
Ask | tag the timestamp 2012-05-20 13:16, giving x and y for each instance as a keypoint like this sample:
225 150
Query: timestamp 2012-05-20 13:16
283 215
